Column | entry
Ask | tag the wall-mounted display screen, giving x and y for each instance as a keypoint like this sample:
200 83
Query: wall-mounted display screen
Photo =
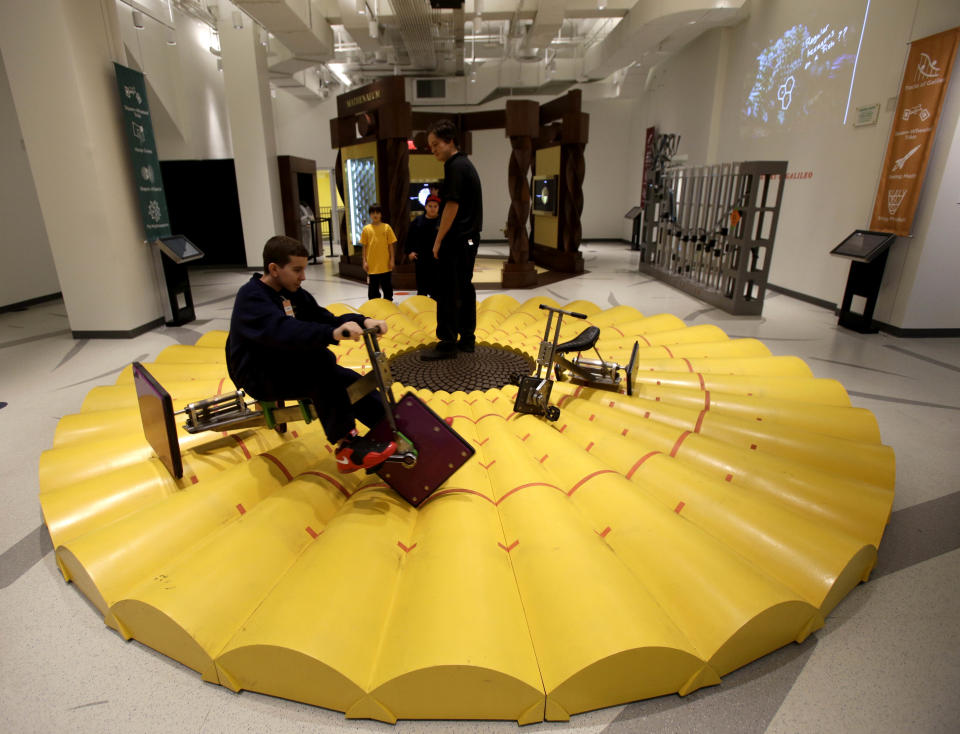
545 195
419 191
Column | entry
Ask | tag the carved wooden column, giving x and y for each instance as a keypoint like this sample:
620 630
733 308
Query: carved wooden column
522 126
573 140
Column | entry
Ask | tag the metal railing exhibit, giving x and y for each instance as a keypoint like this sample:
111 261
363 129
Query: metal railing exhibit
709 230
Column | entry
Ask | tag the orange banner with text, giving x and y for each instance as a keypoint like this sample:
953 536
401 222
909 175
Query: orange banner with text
922 92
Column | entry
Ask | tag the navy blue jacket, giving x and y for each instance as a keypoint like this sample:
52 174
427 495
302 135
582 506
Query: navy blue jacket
266 349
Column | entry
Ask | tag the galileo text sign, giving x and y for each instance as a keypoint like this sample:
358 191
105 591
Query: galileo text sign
143 153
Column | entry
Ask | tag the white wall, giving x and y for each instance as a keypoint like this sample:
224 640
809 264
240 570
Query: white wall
819 211
29 272
184 88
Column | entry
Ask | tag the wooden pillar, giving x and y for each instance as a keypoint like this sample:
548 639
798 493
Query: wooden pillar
573 140
522 126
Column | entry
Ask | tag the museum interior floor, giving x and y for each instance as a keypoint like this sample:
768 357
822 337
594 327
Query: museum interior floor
886 661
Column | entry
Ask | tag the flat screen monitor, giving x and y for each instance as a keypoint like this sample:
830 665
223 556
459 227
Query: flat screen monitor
179 249
545 195
419 192
156 414
863 245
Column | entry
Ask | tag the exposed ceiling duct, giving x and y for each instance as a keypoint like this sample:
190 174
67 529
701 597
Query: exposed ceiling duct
298 24
416 29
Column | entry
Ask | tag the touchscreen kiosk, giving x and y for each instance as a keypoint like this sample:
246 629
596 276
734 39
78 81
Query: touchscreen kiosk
156 414
863 245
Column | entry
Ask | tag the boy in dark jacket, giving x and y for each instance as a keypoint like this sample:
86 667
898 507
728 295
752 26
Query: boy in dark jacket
277 350
420 240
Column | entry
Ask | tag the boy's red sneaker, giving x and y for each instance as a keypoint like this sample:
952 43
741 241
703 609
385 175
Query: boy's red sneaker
360 452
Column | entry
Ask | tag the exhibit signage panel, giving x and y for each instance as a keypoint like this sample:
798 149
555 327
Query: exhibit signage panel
922 92
143 152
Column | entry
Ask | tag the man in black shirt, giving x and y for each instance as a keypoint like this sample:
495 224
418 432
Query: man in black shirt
455 248
277 350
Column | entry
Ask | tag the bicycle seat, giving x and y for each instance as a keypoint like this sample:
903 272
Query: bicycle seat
587 339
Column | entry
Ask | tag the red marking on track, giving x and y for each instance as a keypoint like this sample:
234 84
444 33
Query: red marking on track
658 381
749 394
657 399
669 353
703 385
640 463
689 366
645 340
509 416
618 331
510 547
676 446
243 446
404 548
605 533
456 490
612 403
329 448
576 393
277 461
680 506
487 466
526 486
753 447
241 509
525 437
294 434
220 386
646 414
481 443
589 446
587 478
759 419
728 478
706 400
696 429
544 458
470 402
343 490
495 399
624 431
311 532
563 428
445 402
592 416
194 479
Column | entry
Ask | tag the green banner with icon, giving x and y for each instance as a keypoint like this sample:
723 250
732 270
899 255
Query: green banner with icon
143 152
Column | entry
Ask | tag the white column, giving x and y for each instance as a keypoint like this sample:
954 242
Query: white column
59 60
251 129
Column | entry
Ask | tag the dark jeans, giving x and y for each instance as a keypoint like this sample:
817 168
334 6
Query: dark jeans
378 282
325 383
455 294
426 268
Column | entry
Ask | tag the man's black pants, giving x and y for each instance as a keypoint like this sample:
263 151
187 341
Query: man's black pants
455 294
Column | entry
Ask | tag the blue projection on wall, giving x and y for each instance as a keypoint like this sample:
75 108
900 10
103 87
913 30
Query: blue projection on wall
796 74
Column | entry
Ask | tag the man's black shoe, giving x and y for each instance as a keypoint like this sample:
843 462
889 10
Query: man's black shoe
466 346
433 355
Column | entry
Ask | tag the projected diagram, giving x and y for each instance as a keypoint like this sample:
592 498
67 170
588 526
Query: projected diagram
793 72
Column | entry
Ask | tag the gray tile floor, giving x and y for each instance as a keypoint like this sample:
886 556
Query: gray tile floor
886 661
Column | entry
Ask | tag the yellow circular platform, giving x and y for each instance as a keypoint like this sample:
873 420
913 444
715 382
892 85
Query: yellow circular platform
636 547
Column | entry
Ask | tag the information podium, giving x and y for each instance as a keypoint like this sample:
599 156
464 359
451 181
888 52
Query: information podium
171 254
868 252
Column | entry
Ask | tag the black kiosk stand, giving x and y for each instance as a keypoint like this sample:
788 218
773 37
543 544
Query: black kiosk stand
635 213
170 256
868 252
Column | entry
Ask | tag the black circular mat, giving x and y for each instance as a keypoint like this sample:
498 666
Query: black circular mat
488 367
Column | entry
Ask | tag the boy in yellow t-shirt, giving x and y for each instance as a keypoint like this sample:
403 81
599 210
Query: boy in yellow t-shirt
378 239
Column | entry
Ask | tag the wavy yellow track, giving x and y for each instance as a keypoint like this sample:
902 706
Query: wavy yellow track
639 546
